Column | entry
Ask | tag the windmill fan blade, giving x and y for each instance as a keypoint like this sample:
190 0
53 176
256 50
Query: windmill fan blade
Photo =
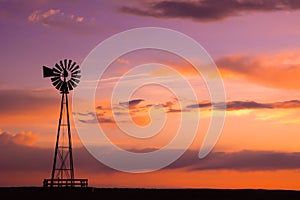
55 83
70 85
61 64
69 64
71 68
56 72
58 86
76 72
65 62
77 67
47 72
56 78
73 83
75 80
59 68
76 76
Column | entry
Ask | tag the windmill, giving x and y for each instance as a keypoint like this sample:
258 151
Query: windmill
65 77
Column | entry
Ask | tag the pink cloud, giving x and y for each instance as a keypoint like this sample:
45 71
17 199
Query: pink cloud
56 18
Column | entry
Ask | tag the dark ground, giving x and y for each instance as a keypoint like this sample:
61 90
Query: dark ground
118 193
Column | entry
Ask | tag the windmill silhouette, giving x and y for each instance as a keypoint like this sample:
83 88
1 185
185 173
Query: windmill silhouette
65 77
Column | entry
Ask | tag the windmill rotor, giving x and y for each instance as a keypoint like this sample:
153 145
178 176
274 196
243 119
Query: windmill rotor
65 75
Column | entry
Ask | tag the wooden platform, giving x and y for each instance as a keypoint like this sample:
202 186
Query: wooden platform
65 183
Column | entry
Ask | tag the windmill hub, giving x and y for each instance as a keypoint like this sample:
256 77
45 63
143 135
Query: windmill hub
66 75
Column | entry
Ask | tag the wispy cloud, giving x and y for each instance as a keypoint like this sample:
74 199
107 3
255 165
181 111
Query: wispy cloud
62 15
242 105
92 118
132 103
135 106
56 18
207 10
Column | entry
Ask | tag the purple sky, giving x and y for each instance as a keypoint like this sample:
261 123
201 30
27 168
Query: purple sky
30 38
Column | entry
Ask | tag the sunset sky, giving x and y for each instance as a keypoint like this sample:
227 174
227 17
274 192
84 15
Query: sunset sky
254 44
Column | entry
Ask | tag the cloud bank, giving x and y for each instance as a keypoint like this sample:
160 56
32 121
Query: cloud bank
19 101
240 161
31 158
207 10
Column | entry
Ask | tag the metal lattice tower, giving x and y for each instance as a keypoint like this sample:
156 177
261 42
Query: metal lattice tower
63 157
65 77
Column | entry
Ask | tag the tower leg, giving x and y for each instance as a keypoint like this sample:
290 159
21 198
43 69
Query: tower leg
70 141
57 139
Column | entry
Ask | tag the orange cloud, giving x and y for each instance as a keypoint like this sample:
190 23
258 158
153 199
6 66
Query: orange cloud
23 138
53 15
280 70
